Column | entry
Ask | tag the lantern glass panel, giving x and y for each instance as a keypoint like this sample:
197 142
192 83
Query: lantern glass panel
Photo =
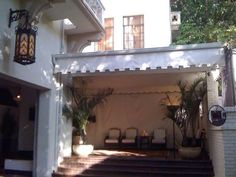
17 44
31 46
23 44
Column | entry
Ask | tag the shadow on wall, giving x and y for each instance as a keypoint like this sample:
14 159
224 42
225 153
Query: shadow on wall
6 40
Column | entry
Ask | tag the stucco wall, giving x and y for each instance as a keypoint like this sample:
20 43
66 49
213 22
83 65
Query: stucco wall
37 76
65 129
215 134
142 111
40 72
217 152
157 31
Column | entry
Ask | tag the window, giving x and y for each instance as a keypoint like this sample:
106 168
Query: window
107 42
133 28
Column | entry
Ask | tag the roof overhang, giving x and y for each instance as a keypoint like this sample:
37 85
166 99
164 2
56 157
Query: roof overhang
182 58
79 13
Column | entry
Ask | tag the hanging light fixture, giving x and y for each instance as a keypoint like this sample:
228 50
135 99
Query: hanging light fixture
25 37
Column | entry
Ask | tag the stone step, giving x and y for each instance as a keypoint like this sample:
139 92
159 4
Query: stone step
100 166
142 160
138 165
132 168
136 173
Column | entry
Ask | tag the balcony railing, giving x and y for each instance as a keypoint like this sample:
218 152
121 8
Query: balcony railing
96 7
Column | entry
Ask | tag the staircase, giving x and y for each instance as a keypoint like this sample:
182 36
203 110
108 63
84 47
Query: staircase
105 166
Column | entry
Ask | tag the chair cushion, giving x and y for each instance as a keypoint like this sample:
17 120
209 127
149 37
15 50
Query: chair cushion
114 141
159 134
114 133
130 133
128 140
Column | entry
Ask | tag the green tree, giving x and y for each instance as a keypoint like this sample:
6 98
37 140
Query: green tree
206 21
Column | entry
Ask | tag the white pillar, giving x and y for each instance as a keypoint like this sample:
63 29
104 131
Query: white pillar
215 134
65 125
46 142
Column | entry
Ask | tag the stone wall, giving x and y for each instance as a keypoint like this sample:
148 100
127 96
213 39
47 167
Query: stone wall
229 137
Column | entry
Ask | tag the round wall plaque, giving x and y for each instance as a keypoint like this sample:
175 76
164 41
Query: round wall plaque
216 115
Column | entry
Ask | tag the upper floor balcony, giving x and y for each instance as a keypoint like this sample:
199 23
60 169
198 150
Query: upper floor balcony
85 15
96 7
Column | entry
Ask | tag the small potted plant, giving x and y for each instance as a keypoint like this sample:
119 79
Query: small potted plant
80 110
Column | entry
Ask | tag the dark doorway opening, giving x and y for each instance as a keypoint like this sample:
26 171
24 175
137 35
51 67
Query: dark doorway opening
18 111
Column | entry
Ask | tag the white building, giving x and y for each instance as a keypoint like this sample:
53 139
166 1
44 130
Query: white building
47 138
142 75
36 134
131 24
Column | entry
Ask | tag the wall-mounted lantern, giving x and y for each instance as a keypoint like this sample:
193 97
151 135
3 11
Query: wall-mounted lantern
25 37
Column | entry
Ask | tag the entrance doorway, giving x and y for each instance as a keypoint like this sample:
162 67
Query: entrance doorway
18 108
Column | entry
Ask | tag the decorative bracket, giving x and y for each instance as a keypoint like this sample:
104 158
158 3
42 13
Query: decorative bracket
16 15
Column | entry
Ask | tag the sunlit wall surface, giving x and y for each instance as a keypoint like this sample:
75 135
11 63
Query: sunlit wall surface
157 31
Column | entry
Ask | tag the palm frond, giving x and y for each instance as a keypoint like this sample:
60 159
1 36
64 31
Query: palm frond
82 104
190 100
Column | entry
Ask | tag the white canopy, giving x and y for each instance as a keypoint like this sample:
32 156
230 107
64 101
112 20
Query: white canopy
173 57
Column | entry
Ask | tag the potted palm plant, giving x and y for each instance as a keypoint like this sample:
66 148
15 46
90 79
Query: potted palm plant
80 109
186 113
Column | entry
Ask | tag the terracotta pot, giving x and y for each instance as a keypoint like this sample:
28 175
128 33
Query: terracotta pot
189 152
